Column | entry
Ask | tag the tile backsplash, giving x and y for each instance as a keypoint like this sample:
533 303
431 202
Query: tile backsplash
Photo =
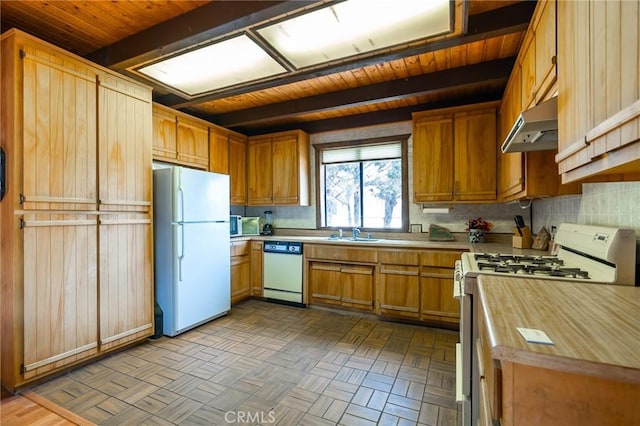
615 204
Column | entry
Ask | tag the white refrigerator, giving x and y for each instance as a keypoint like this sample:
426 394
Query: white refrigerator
191 239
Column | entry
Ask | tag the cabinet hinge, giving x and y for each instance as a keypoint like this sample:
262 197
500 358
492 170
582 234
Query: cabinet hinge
22 369
554 60
21 198
22 54
21 224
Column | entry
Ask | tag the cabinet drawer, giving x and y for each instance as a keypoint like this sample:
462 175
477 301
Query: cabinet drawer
439 258
346 254
399 257
239 248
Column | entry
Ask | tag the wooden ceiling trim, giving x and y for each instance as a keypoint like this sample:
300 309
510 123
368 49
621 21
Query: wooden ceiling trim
371 119
505 20
393 90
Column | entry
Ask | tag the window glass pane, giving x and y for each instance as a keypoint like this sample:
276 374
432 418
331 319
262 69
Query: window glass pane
382 192
342 194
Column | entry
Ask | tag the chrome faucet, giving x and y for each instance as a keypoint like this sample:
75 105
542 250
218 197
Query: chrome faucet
355 232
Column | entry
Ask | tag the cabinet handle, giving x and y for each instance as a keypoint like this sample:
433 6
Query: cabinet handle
3 174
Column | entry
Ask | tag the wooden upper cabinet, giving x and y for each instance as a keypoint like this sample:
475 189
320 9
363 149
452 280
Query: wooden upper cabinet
238 169
454 154
125 147
278 169
525 175
599 90
165 147
475 155
179 138
260 172
193 142
433 158
218 150
59 132
545 47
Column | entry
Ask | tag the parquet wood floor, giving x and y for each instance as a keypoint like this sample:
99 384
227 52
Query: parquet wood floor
266 363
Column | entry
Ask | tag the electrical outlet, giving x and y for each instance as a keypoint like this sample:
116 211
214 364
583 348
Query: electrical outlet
416 228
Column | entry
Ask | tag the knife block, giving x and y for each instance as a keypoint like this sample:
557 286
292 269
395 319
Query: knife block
522 242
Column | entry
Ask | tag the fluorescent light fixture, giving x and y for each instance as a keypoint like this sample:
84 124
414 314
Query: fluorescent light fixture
354 27
436 210
227 63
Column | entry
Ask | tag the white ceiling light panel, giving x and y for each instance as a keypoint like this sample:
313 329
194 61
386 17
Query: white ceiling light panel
354 27
227 63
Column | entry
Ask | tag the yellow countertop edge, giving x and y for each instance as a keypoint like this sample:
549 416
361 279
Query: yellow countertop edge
534 355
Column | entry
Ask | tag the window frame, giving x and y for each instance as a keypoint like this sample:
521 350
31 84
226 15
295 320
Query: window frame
404 159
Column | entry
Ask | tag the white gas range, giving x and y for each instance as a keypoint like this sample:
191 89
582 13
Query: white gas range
587 254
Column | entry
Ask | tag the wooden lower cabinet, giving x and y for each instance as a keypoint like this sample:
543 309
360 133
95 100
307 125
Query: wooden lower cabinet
511 393
341 284
126 303
240 271
60 292
403 283
436 286
256 268
399 283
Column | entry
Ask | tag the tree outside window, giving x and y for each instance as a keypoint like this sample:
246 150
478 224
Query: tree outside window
362 186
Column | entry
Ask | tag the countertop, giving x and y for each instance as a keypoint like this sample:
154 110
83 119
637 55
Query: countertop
595 328
499 243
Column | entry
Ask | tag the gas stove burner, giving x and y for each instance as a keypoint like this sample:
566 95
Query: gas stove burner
503 259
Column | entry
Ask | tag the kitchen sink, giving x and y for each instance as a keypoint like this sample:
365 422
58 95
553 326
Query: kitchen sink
351 239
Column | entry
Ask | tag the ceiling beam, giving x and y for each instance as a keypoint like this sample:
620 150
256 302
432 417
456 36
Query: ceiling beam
199 25
494 23
371 118
374 93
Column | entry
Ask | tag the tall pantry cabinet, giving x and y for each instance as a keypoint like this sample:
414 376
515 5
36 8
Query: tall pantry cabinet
76 271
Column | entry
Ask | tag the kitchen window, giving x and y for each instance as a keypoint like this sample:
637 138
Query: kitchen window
363 184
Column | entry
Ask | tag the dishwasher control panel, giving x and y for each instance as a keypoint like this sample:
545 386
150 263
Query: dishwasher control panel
285 247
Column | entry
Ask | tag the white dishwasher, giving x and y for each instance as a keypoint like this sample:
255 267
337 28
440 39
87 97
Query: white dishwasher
282 271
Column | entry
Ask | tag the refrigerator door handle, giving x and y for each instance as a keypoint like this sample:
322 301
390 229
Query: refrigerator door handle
181 251
180 204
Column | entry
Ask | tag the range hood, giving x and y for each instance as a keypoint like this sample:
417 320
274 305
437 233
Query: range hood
536 129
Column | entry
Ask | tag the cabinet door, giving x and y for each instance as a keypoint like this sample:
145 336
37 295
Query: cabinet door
164 135
193 143
256 268
238 169
324 283
126 278
437 301
218 151
399 290
284 150
357 286
125 146
60 290
475 156
240 271
433 159
545 41
260 175
528 70
512 173
59 133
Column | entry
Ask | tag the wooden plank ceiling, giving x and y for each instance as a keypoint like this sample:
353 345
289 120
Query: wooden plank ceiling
465 67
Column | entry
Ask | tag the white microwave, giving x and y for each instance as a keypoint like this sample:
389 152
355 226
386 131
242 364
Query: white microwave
235 225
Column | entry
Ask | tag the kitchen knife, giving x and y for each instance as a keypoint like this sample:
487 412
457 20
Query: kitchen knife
519 223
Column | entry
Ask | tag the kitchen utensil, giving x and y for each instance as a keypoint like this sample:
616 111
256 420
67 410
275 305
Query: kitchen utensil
519 223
